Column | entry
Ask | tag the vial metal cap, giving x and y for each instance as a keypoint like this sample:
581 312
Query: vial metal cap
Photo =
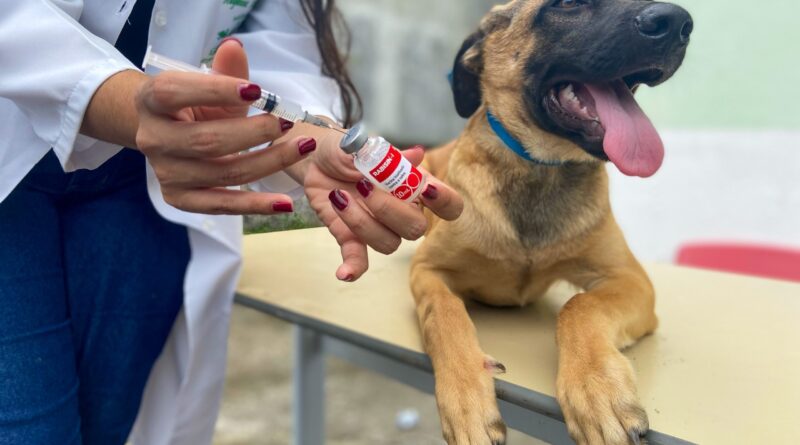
355 138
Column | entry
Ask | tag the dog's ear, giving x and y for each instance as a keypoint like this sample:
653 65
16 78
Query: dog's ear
468 65
465 79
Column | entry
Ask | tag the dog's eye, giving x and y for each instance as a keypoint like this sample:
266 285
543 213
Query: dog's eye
568 4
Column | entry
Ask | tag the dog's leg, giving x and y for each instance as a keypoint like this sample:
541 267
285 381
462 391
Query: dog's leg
596 386
465 391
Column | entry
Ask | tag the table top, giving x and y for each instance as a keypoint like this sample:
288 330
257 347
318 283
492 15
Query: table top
723 367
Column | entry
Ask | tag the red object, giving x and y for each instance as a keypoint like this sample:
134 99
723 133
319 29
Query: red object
249 92
283 207
226 39
285 125
306 146
749 259
388 165
339 200
431 192
365 187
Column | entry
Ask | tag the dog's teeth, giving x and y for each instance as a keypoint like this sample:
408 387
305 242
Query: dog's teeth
571 96
570 93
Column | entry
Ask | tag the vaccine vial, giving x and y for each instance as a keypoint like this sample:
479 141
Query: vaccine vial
383 164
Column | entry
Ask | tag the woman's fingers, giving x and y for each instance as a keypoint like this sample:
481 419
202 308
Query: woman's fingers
189 131
355 260
171 91
400 217
207 139
383 220
231 59
442 199
414 154
234 169
363 224
222 201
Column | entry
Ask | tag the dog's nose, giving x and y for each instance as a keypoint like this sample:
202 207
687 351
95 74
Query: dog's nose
665 21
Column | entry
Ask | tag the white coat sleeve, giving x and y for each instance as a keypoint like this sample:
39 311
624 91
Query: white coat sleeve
284 58
51 68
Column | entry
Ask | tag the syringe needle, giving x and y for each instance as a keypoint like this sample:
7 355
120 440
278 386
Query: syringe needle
322 123
335 128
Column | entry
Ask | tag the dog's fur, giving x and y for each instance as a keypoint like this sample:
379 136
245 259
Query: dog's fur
525 226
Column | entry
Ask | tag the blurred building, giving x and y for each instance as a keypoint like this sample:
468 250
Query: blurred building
401 55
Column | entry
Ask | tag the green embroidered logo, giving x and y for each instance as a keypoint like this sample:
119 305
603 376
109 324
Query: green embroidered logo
235 3
227 32
224 33
209 58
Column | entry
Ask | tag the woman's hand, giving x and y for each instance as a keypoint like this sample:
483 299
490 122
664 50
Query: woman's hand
360 215
193 129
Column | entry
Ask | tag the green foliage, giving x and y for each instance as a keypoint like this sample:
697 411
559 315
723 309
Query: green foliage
280 224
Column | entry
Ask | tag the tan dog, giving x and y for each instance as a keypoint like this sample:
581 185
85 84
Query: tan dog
557 76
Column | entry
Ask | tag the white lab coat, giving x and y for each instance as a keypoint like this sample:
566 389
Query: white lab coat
54 54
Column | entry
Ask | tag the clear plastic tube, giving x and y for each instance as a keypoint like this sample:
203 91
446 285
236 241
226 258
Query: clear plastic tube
269 103
166 64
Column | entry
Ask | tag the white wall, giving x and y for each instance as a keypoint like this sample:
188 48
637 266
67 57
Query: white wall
719 185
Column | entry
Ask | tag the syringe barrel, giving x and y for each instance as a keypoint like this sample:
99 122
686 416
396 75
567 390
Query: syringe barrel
276 106
268 103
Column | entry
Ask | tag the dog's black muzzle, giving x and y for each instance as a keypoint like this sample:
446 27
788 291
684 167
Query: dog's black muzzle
665 24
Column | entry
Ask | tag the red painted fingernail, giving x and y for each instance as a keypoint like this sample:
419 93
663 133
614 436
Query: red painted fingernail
250 91
306 146
365 188
339 200
431 192
283 207
233 39
285 125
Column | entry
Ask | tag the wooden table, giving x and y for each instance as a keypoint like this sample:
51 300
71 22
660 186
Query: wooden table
723 367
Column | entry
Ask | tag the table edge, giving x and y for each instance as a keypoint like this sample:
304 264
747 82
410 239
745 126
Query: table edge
540 403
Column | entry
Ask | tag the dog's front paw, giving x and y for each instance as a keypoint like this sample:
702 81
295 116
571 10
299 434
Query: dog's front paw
599 401
468 407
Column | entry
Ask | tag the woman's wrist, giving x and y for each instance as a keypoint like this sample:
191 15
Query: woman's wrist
327 140
298 171
111 115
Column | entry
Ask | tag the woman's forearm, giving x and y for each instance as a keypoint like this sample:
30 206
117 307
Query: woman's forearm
112 115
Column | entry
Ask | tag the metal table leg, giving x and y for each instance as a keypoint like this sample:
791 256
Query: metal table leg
308 410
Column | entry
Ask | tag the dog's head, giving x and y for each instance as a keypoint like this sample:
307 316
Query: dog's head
569 68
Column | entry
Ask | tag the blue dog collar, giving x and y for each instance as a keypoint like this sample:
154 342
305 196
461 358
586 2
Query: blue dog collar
515 145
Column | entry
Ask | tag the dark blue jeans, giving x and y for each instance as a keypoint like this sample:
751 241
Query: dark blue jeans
91 280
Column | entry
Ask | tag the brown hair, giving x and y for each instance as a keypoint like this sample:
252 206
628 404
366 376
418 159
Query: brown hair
326 19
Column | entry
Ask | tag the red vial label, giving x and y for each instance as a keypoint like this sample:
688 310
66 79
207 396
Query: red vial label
387 166
396 174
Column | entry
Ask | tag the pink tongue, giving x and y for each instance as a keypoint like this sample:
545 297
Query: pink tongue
631 141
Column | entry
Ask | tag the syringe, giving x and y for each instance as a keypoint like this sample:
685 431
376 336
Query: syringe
269 103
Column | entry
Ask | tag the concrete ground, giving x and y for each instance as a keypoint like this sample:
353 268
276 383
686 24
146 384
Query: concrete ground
361 406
